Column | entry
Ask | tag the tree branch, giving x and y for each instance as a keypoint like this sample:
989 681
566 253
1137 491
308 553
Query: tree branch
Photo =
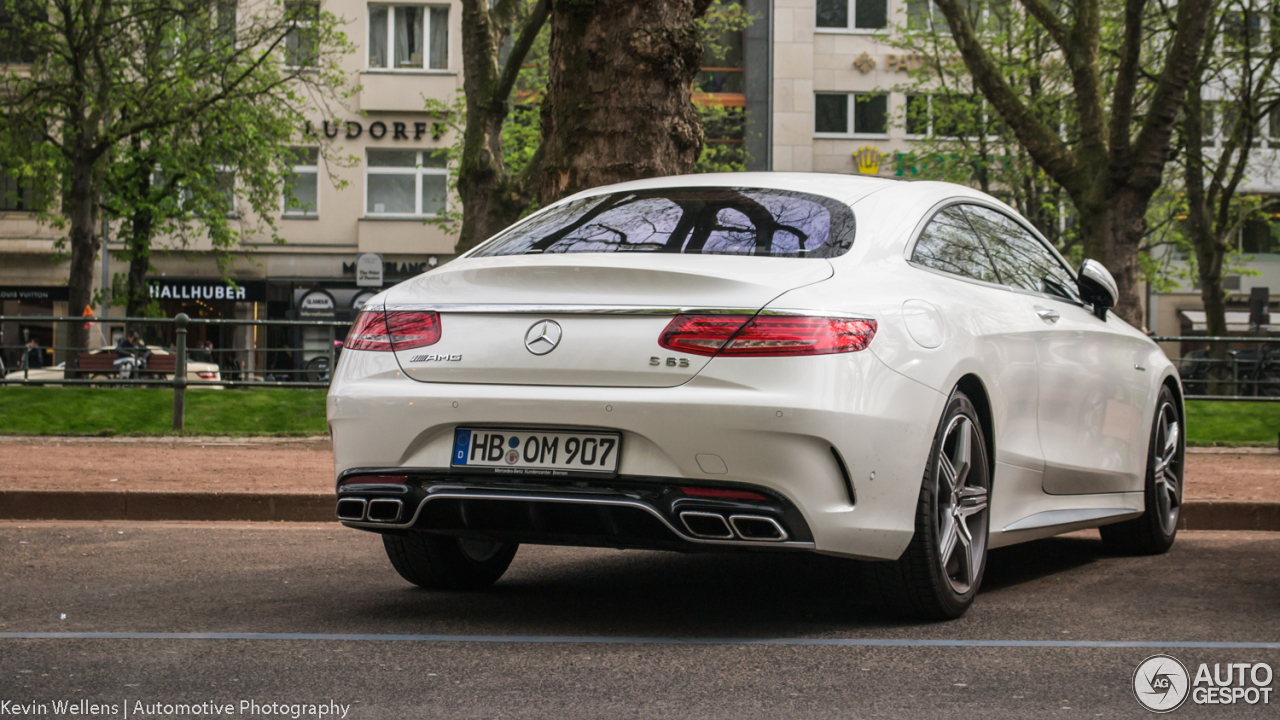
520 50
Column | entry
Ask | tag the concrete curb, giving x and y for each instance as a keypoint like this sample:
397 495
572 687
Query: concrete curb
319 507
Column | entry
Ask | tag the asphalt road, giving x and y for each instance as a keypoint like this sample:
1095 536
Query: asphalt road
518 650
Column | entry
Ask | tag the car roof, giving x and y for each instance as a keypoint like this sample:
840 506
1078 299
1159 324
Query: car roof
846 188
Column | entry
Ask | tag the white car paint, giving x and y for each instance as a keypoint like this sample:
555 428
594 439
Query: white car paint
1071 400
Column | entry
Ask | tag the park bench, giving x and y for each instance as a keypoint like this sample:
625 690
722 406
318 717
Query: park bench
104 364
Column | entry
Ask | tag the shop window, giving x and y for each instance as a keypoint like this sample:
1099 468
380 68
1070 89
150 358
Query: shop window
406 182
17 194
408 37
853 14
302 192
1260 236
17 20
300 49
851 114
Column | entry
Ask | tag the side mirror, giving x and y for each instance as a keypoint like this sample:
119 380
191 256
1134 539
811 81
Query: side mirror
1097 287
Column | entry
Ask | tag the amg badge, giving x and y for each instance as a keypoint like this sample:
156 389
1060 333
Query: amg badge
435 358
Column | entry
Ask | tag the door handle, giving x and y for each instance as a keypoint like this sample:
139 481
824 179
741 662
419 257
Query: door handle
1047 315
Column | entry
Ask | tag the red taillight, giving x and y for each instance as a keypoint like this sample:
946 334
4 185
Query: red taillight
375 480
767 335
393 331
701 334
207 375
409 330
369 332
718 493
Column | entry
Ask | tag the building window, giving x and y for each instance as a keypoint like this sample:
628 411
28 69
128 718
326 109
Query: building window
953 116
17 194
851 114
853 14
926 15
302 189
17 21
300 44
406 182
408 37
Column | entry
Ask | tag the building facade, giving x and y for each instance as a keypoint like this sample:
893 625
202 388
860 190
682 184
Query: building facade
815 80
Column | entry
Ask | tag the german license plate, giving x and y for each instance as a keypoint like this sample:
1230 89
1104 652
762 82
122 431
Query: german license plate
535 452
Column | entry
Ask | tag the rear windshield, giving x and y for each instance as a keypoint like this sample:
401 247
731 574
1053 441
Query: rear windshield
707 221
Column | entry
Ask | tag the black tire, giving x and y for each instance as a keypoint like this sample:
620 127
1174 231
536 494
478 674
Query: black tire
920 584
441 562
1153 532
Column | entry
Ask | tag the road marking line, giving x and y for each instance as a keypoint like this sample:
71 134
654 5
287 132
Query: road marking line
606 640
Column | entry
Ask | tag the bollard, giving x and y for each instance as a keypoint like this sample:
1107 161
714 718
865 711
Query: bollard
180 373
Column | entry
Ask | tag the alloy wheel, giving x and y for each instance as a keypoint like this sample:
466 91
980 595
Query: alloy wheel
1168 468
963 490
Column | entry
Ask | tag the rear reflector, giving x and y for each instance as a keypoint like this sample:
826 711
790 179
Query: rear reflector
375 480
766 335
393 331
718 493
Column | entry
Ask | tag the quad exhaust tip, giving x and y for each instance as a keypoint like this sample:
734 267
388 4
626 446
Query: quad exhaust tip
351 509
706 525
713 526
384 510
757 527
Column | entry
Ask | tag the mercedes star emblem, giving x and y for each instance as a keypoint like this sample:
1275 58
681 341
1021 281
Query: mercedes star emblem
543 337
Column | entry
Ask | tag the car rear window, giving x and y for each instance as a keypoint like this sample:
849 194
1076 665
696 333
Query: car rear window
706 221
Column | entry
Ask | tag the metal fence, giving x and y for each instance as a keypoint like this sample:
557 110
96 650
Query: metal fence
1248 369
306 365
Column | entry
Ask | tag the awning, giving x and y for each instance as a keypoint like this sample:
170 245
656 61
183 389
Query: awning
1237 322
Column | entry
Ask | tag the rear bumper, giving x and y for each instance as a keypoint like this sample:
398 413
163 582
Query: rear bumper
783 426
620 512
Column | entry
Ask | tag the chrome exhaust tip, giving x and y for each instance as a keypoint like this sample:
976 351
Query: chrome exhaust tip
384 510
351 509
706 525
757 527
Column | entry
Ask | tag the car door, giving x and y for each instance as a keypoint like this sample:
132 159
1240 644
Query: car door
998 324
1093 398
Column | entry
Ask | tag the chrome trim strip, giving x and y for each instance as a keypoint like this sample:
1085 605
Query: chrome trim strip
626 310
489 495
1051 518
514 309
782 534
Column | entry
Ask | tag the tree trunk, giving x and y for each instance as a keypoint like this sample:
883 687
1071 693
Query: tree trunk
618 104
141 229
491 198
82 209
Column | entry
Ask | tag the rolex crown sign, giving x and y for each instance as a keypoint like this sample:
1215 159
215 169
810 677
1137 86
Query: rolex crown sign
868 160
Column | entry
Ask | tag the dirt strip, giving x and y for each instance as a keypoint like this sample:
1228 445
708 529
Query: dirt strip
305 465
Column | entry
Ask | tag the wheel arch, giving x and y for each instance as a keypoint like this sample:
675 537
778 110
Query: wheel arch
972 386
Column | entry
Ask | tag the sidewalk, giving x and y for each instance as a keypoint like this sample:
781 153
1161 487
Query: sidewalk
291 479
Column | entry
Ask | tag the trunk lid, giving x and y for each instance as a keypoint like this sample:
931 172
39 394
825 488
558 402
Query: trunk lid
606 311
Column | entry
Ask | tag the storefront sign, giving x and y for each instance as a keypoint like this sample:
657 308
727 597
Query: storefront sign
358 302
369 270
167 289
33 293
317 305
379 130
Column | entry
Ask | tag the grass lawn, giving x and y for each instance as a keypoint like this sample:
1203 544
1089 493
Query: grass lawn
278 411
145 411
1213 422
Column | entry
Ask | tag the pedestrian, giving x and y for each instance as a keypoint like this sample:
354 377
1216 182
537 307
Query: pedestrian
131 354
34 356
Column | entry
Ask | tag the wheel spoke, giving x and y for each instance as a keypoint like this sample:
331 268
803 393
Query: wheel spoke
949 536
967 563
1162 497
963 456
973 500
1170 445
947 473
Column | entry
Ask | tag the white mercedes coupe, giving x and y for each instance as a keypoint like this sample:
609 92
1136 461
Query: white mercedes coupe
903 372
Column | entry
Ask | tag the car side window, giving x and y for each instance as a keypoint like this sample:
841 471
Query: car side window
949 244
1021 259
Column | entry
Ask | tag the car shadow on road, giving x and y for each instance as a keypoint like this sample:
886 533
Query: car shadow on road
555 591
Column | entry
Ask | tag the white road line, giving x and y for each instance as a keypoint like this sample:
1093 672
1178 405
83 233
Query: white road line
608 640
